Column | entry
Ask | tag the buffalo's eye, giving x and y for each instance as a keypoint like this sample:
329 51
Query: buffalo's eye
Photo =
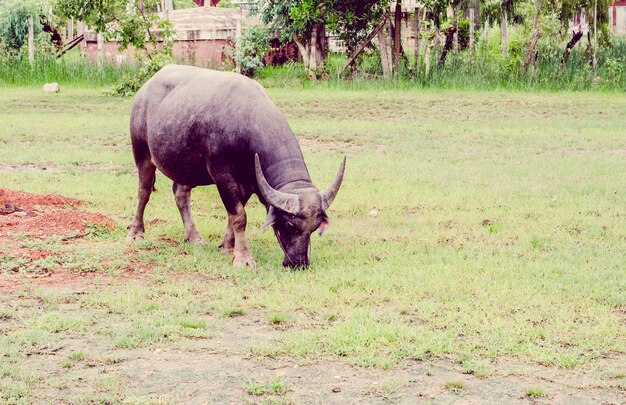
293 224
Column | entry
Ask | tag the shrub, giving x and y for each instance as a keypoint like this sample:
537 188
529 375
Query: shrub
253 48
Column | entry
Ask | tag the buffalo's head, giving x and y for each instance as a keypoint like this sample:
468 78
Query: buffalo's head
295 216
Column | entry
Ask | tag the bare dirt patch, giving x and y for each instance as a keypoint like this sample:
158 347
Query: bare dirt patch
25 217
43 215
30 200
222 368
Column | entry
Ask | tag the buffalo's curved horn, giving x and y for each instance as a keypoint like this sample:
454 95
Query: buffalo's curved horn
287 202
329 194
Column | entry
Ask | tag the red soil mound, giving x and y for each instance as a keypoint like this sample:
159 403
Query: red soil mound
46 215
29 200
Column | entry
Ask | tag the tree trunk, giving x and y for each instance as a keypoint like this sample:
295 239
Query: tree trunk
314 52
576 36
397 37
361 47
487 26
427 60
531 50
437 35
455 23
322 50
304 50
475 5
471 34
417 40
595 33
505 33
382 43
31 40
536 36
449 40
592 62
389 44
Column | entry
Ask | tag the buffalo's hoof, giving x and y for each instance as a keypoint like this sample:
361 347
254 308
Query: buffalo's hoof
195 239
241 260
226 249
134 237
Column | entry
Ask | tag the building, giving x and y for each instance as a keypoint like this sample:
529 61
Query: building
617 17
204 36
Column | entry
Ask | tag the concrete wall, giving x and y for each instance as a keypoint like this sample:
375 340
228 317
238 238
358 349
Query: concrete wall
617 18
204 53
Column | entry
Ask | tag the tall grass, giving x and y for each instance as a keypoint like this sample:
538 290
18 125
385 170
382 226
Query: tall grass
72 69
489 70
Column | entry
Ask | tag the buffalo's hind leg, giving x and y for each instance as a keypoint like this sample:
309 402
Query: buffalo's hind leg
147 171
182 194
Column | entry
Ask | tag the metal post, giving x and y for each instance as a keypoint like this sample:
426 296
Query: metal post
31 40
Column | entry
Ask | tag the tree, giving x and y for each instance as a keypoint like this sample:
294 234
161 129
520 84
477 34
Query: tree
14 23
306 22
130 22
535 38
351 21
503 10
302 21
596 13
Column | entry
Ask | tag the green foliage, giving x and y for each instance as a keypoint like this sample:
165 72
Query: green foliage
182 4
128 22
349 20
14 23
489 70
131 83
227 4
131 23
254 46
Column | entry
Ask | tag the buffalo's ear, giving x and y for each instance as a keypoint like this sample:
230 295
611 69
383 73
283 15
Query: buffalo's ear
324 225
271 218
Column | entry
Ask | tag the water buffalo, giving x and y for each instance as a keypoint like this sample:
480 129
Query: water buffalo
201 127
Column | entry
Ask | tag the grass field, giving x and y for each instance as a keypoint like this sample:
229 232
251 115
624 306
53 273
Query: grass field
478 229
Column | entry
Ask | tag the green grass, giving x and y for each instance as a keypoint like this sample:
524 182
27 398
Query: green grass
488 71
272 387
500 230
534 392
73 69
455 386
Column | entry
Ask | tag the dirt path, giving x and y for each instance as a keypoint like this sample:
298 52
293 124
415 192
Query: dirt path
222 369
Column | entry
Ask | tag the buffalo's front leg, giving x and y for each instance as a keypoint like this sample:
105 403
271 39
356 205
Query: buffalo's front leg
182 194
234 201
241 253
146 171
228 243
